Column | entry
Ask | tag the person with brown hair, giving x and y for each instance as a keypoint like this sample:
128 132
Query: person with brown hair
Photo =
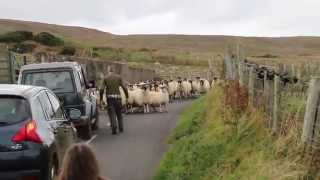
80 163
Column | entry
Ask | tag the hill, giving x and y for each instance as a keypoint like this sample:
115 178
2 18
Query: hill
172 49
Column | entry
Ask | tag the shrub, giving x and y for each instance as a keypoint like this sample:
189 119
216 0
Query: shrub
68 50
267 56
237 97
94 54
48 39
16 37
23 48
144 50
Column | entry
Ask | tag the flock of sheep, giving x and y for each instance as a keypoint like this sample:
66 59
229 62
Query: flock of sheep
155 96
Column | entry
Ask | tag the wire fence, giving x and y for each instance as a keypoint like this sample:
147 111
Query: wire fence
289 95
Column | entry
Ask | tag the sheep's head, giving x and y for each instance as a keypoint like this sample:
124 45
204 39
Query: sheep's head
201 82
130 86
156 87
145 87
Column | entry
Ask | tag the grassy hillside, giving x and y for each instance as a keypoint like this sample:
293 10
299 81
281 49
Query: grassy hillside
215 141
193 46
181 53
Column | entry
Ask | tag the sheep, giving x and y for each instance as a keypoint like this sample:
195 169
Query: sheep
186 88
215 82
154 97
123 96
159 98
135 97
205 85
196 88
146 98
172 89
131 95
165 98
179 92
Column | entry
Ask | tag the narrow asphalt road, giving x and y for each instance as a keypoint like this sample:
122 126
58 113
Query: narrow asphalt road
135 154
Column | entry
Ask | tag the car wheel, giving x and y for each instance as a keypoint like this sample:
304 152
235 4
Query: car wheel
95 125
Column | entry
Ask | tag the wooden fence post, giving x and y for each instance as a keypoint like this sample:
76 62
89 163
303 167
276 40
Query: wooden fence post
311 110
275 110
252 79
266 91
241 73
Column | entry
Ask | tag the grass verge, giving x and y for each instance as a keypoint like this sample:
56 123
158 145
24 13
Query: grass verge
211 143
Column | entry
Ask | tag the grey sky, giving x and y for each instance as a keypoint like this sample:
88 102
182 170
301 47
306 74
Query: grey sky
227 17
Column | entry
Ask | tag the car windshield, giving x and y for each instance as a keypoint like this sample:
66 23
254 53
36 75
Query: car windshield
13 110
57 81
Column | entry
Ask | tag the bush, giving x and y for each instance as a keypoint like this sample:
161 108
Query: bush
68 50
267 56
23 48
95 55
144 50
16 37
48 39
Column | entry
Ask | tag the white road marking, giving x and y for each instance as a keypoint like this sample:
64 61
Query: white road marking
90 140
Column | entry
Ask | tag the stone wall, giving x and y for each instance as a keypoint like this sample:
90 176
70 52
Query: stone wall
97 68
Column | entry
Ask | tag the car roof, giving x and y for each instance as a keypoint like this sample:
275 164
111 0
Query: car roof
20 90
51 65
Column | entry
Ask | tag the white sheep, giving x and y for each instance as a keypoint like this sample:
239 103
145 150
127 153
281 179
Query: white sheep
196 88
135 97
157 98
205 85
186 88
215 81
123 96
146 94
172 89
165 98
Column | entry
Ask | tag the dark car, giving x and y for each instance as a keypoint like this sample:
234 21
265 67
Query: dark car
68 81
34 133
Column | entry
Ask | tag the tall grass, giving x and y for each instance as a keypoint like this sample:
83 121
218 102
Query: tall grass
213 141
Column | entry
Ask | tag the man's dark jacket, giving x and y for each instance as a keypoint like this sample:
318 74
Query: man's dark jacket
112 83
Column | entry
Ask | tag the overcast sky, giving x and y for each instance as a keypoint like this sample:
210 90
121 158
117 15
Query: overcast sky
214 17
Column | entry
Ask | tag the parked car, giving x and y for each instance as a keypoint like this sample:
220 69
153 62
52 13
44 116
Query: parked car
34 133
68 81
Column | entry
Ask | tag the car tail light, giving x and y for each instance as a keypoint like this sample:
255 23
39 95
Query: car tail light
28 133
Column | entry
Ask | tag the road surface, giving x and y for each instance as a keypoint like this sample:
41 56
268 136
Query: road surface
135 154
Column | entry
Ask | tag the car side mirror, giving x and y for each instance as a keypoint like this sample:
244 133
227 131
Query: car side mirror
74 114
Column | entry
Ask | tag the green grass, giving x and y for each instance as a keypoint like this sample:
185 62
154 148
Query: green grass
146 56
205 145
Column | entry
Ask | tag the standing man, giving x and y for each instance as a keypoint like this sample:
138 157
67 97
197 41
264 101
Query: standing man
111 85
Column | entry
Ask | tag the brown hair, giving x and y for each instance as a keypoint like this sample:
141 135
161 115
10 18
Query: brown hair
79 163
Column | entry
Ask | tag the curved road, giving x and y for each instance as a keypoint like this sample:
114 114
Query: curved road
135 154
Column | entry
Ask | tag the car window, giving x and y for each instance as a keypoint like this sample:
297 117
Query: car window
46 105
38 110
58 113
81 78
57 81
13 110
